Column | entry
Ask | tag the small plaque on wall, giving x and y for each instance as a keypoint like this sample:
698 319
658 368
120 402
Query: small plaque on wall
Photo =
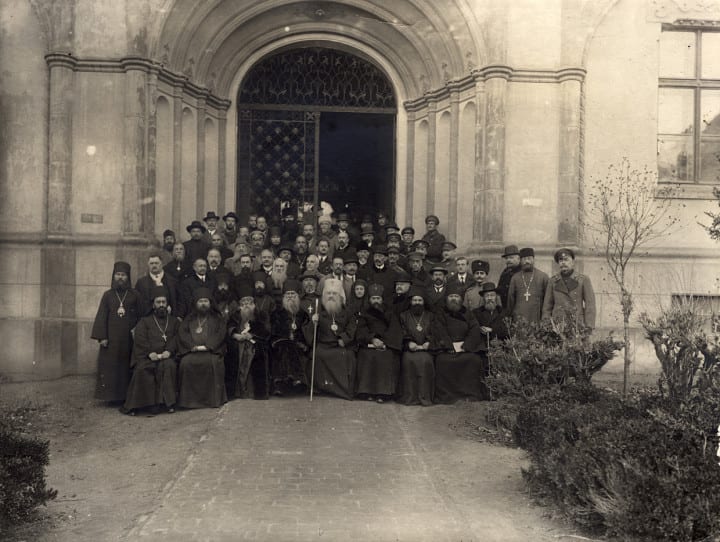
89 218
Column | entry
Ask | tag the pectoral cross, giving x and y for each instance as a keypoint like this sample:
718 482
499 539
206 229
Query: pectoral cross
527 296
164 337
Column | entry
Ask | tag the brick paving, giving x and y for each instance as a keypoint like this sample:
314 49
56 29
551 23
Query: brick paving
333 470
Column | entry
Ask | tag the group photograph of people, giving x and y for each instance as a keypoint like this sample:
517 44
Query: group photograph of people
346 306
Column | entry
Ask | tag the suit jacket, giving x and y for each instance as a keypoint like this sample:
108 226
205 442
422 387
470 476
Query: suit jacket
570 296
434 298
469 281
187 289
325 267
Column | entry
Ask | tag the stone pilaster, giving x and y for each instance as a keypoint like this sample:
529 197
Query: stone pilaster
432 138
134 140
410 161
177 158
200 165
479 180
222 181
452 215
149 210
569 179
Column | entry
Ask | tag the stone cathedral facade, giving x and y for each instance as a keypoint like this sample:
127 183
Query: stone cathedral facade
121 118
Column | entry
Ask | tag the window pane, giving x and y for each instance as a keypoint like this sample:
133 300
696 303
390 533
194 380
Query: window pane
677 54
711 55
675 158
675 111
710 112
710 161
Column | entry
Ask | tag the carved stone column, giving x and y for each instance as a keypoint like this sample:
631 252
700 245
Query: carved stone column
148 217
432 138
200 166
134 136
479 192
453 178
177 158
569 179
410 160
222 181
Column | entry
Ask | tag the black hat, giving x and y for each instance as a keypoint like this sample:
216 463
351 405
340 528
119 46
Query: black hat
417 291
455 288
274 231
408 229
480 265
211 214
350 257
292 285
438 268
449 245
379 249
419 242
123 267
393 250
510 250
382 214
415 255
362 245
432 217
168 232
562 251
367 219
376 289
392 226
231 214
257 232
286 246
159 291
402 276
245 289
202 293
288 211
487 287
196 224
310 275
367 230
393 236
343 217
526 252
259 276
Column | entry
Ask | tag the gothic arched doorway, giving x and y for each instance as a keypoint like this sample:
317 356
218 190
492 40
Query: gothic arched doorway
314 125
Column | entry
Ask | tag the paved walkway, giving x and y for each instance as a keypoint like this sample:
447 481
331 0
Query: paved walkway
339 470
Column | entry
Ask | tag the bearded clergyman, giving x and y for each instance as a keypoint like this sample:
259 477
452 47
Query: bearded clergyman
154 377
289 349
526 292
459 372
119 310
379 340
249 332
417 384
201 347
335 361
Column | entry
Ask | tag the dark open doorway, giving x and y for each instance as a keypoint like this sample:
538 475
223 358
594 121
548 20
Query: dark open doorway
357 161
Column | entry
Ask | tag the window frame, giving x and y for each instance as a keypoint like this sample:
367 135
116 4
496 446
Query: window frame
696 84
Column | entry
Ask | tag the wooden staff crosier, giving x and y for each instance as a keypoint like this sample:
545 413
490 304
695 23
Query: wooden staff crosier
312 368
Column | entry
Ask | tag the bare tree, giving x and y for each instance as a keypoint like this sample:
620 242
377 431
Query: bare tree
626 210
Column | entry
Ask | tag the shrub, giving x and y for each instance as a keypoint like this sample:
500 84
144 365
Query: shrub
538 356
624 468
22 471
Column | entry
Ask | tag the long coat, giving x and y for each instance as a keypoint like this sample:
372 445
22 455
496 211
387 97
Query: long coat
570 295
144 286
495 320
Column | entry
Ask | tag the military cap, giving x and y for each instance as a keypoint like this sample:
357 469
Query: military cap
432 218
416 256
419 242
395 236
562 251
449 245
408 229
393 250
480 265
379 249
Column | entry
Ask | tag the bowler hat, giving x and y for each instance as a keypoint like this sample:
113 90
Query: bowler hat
362 245
527 252
350 257
288 247
211 214
402 276
231 215
487 287
367 229
392 226
432 218
438 268
343 217
510 250
562 251
379 249
196 224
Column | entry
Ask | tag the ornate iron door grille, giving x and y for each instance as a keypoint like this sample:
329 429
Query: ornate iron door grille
280 103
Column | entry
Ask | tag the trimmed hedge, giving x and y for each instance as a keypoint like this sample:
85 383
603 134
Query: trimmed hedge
642 469
22 473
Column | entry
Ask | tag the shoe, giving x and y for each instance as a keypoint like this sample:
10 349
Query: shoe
380 400
369 398
171 410
126 411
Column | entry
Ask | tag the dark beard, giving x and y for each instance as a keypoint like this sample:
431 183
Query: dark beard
120 285
527 267
454 306
161 312
169 247
202 310
222 294
417 310
259 292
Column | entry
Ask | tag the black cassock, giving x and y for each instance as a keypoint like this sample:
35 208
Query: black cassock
114 324
288 362
201 375
417 384
378 369
153 382
461 374
335 366
249 359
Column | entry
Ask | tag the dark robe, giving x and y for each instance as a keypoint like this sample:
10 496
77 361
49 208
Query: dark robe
527 307
503 285
178 270
458 375
417 384
265 304
289 360
187 292
435 241
495 320
113 364
250 359
421 278
400 303
144 286
153 382
201 375
378 369
307 303
194 249
335 366
385 277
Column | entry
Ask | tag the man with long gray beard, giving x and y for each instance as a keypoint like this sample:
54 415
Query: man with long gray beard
289 349
493 325
249 332
458 368
379 340
119 310
201 347
153 359
335 362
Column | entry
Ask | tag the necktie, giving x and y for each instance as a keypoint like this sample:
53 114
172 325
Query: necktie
462 280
